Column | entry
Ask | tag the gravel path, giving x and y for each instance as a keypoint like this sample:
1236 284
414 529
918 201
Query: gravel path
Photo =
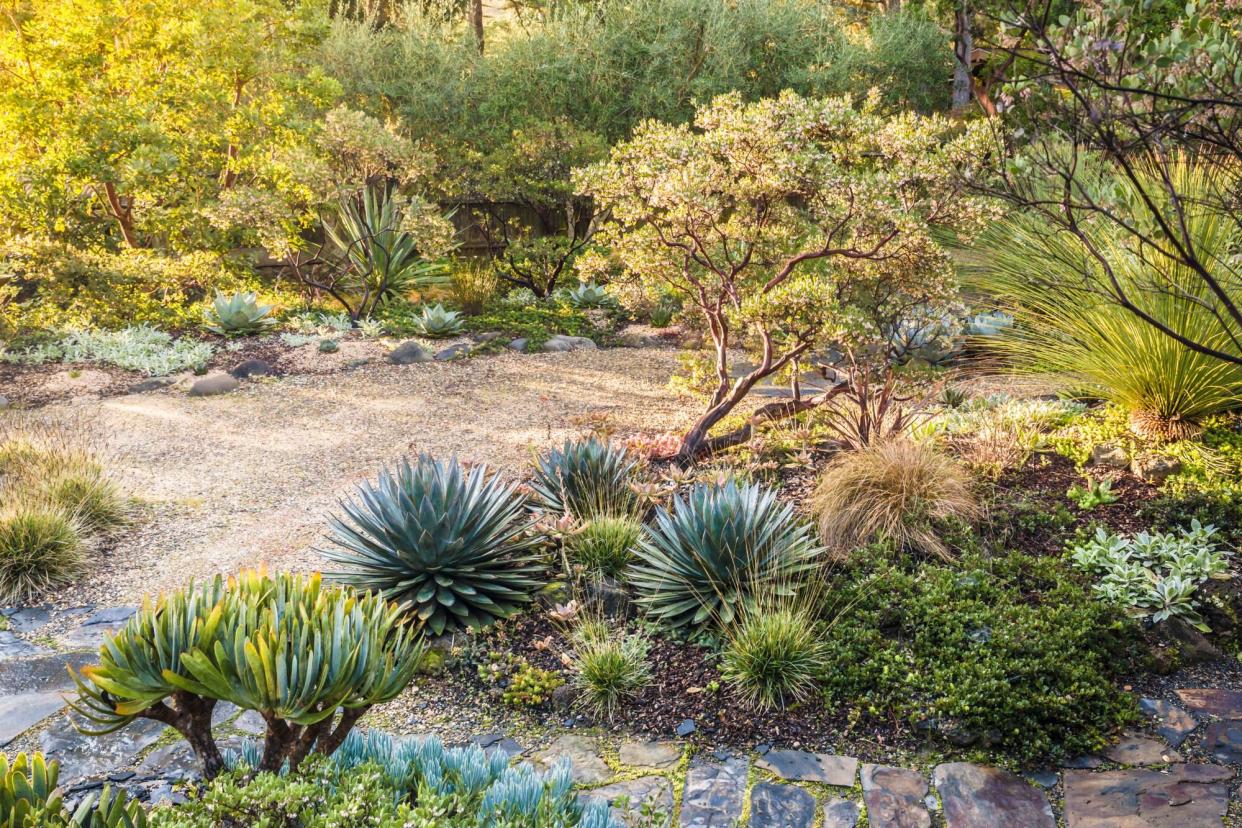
246 478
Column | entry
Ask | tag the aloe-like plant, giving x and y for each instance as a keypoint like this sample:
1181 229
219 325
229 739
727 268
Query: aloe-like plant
236 314
703 561
1068 324
288 646
588 295
437 322
454 544
587 478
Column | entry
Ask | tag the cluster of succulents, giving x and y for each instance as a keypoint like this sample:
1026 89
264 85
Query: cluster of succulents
522 684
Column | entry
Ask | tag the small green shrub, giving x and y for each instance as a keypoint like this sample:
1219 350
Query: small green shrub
1091 493
587 478
237 314
1010 652
706 558
774 657
531 686
40 549
142 348
1154 575
453 544
536 323
605 544
608 668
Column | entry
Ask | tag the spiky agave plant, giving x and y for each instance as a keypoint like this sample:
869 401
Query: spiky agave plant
588 295
587 478
702 562
455 544
437 322
236 314
1067 321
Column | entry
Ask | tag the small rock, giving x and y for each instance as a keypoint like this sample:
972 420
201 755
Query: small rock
781 806
1173 723
561 342
518 344
329 346
650 754
978 796
1193 646
1227 704
214 384
841 813
1110 455
685 728
587 766
4 401
486 336
1045 779
251 368
461 349
1136 749
1083 763
152 384
1155 469
408 353
608 597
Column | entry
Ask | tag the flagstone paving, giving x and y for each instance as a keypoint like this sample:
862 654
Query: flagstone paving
1178 772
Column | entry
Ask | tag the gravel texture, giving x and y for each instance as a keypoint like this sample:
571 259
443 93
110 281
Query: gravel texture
246 478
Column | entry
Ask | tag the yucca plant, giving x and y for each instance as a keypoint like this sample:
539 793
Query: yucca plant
1067 323
436 322
703 560
774 657
587 478
40 547
383 258
454 544
287 646
237 314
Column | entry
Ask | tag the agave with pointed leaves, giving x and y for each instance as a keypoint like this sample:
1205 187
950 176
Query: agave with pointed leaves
437 322
588 295
455 544
587 478
703 560
237 314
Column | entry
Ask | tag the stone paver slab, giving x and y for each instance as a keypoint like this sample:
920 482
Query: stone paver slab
802 766
21 711
1172 722
588 768
713 794
646 802
13 646
781 806
1136 749
660 755
1223 741
977 796
1185 796
1227 704
841 813
894 797
90 634
83 756
41 674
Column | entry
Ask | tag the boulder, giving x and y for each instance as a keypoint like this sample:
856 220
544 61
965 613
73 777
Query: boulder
213 384
408 353
561 342
1110 455
453 352
1155 469
251 368
519 344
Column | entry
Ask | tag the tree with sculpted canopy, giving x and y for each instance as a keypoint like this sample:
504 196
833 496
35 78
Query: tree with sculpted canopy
789 224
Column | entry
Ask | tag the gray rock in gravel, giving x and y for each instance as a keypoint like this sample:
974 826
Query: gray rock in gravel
685 728
977 796
493 743
841 813
781 806
4 401
1227 704
173 761
802 766
41 674
83 756
646 802
518 344
21 711
486 336
251 368
1172 722
561 342
1154 469
13 647
91 632
713 793
1223 741
894 797
587 766
650 754
453 352
152 384
214 384
408 353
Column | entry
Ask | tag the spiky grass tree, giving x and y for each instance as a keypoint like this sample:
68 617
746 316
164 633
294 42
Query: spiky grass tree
1066 320
456 545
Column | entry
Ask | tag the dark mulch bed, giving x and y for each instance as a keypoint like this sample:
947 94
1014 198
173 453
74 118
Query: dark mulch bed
29 386
269 349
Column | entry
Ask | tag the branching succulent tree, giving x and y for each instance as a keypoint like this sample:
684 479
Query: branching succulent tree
789 224
286 646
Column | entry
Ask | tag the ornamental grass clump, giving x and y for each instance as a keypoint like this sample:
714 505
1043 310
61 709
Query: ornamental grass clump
587 478
608 668
455 545
705 559
895 491
41 548
775 658
605 544
310 658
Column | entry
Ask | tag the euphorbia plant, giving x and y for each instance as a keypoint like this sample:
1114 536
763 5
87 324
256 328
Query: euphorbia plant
790 224
286 646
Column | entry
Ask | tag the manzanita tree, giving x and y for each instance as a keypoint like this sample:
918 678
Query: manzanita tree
789 224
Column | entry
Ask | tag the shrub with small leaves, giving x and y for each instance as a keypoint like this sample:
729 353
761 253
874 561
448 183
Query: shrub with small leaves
774 657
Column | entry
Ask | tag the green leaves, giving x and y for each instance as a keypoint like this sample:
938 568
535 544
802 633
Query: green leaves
453 544
238 313
586 479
